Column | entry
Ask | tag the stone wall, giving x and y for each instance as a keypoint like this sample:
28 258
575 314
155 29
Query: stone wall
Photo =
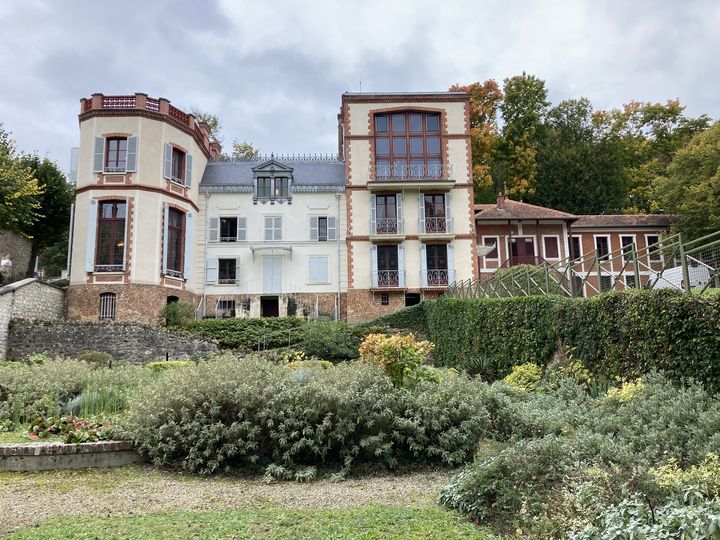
28 299
131 343
16 249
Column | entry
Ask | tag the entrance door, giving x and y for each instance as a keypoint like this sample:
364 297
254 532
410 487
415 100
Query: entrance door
522 251
269 306
272 274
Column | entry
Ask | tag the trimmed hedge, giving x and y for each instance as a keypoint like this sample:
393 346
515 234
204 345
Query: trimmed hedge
244 334
411 318
615 335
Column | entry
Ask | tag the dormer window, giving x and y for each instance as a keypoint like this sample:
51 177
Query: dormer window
272 182
264 187
282 190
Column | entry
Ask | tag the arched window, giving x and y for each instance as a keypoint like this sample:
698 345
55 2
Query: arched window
407 145
107 306
172 300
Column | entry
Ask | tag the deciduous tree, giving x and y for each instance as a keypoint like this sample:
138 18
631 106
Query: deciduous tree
19 189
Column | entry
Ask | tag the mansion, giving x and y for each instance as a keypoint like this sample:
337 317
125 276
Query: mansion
162 216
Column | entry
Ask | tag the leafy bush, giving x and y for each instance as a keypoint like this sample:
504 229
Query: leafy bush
410 318
159 367
246 334
331 341
96 358
175 314
73 430
253 413
528 278
401 357
524 377
309 364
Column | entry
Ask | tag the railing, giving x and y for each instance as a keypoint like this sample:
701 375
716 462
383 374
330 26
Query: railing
670 263
386 226
114 169
435 225
437 277
388 279
174 273
118 102
228 238
412 172
515 260
152 104
178 115
109 267
227 281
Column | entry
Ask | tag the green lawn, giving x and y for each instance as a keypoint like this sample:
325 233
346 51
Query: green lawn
8 437
364 522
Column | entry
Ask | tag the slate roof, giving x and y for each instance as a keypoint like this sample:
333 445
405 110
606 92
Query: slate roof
624 220
305 173
507 209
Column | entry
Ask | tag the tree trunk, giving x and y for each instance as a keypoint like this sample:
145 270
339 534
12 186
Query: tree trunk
34 251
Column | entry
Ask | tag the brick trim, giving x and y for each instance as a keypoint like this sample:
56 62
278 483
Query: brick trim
139 188
399 98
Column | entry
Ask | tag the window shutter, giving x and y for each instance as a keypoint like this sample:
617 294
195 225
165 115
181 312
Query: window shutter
241 229
278 229
374 266
373 210
399 208
187 268
166 222
237 270
268 228
125 234
91 234
167 169
313 227
423 265
421 213
448 213
451 263
214 229
188 170
99 154
401 265
331 228
131 157
211 271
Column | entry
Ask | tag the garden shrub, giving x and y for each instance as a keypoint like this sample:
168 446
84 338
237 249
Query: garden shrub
309 364
245 334
330 340
159 367
409 318
175 314
96 358
524 377
401 357
253 413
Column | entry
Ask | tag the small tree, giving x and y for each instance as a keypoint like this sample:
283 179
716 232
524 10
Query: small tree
402 357
244 150
176 314
19 189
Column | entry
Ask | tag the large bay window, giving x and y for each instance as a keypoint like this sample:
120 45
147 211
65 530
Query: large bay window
407 145
175 230
110 249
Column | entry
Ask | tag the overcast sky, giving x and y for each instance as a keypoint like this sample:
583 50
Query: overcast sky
274 70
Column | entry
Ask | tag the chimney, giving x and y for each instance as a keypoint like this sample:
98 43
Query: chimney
501 200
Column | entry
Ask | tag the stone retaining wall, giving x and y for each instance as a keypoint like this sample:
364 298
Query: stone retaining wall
45 457
131 343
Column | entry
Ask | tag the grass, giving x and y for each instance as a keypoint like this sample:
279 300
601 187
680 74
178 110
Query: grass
364 522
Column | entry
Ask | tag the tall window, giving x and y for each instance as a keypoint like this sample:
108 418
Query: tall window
111 237
492 255
435 213
273 228
227 271
627 247
178 165
386 214
107 306
387 261
264 187
551 247
653 250
407 145
322 229
228 229
282 190
176 233
437 264
576 247
602 247
115 154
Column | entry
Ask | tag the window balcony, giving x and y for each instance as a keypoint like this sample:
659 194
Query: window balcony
388 279
227 281
109 267
435 226
418 172
386 227
437 277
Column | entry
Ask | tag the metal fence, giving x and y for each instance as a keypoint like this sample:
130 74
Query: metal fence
671 263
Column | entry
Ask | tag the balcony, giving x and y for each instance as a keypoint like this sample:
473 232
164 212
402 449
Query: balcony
435 227
388 279
386 228
436 277
109 268
435 176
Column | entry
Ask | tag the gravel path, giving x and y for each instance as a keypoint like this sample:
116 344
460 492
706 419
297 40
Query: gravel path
27 499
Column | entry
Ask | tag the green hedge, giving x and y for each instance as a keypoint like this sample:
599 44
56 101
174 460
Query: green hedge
244 334
411 318
615 335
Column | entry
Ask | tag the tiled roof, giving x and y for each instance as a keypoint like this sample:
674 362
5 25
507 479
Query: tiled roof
305 173
624 220
508 209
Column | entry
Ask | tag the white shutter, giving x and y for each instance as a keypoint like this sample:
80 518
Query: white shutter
166 223
211 271
125 233
331 228
421 213
451 263
132 151
91 234
188 170
241 229
313 227
374 266
401 265
99 154
167 169
278 229
423 265
373 214
448 214
187 267
237 270
317 269
214 229
399 210
268 228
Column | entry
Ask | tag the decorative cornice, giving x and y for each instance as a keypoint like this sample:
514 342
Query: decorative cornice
137 187
405 97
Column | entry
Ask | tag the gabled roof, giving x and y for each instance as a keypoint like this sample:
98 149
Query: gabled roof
505 209
625 220
304 173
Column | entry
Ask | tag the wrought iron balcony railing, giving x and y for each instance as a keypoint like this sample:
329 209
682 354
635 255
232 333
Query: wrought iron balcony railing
109 267
435 225
386 226
437 277
424 171
227 281
387 279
